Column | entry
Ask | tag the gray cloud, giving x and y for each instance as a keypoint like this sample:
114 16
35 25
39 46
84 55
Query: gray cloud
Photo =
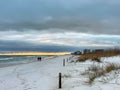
33 10
7 45
68 24
38 24
61 38
88 16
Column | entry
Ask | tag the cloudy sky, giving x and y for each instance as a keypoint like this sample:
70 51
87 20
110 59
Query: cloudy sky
59 25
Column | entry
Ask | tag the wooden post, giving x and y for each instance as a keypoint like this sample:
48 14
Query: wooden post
63 62
60 81
67 59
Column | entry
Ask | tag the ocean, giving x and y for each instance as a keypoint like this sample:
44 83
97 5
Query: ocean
15 60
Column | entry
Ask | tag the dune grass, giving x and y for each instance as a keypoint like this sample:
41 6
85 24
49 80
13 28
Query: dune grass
96 56
96 71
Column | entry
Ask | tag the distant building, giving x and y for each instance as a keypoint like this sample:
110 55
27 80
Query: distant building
77 53
86 51
98 50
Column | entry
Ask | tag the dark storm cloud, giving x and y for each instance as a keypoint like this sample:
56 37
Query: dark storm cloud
88 16
55 25
25 46
66 24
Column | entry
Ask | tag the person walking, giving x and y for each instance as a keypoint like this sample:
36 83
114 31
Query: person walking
39 58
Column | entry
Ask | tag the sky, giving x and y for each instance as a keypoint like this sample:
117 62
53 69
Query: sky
59 25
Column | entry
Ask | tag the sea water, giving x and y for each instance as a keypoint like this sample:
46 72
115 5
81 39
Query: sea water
14 60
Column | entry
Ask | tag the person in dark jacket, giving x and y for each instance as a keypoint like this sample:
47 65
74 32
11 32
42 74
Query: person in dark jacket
39 58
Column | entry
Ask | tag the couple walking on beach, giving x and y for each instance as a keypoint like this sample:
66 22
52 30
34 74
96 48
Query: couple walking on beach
39 58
